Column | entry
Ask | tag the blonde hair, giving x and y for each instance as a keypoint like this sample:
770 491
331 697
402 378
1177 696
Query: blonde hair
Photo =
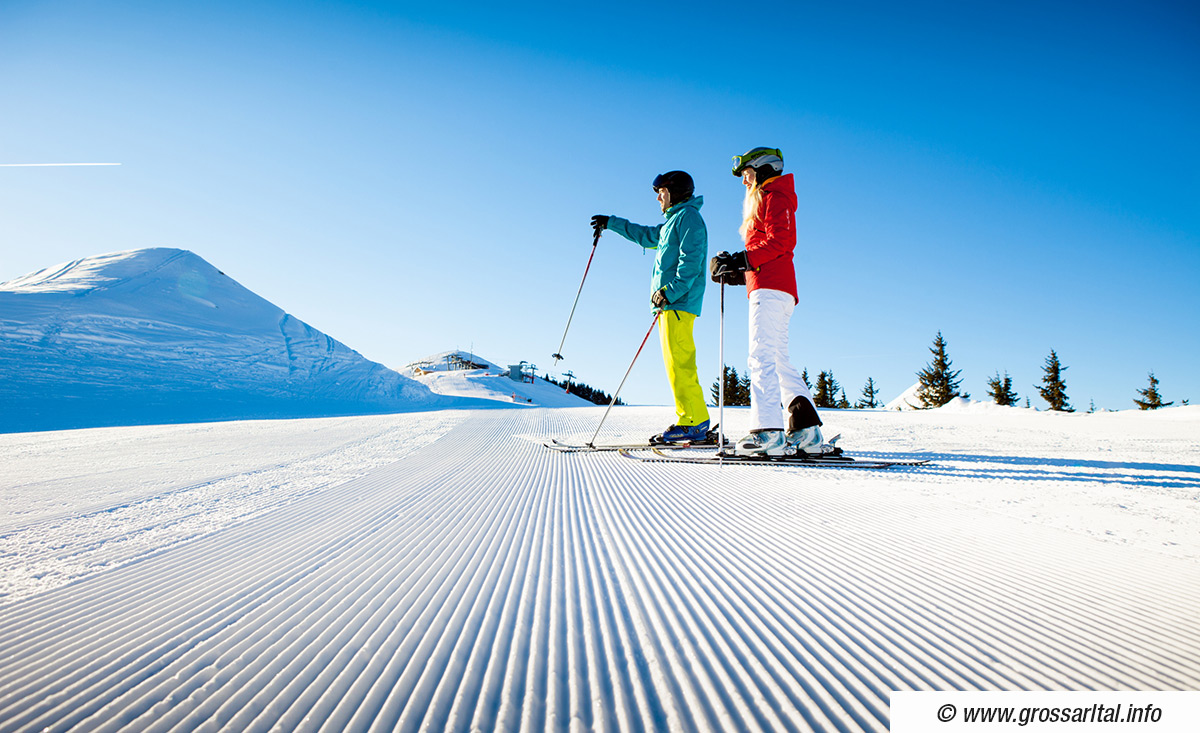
750 206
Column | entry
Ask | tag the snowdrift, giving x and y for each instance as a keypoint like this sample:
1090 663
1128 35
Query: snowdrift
906 400
161 336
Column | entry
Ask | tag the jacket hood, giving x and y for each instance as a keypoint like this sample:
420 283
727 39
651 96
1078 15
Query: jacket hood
694 202
784 184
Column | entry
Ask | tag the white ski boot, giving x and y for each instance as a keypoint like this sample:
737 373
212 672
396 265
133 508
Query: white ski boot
762 443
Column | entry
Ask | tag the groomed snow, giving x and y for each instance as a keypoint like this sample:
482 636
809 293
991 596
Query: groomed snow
443 570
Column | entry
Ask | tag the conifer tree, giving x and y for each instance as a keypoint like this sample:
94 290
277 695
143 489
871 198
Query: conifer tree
938 383
843 403
1001 391
1054 390
737 389
804 376
821 391
715 390
870 397
825 394
1151 399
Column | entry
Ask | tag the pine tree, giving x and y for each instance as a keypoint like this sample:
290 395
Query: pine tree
938 383
1001 391
843 403
821 391
1151 399
715 390
825 394
804 376
737 389
870 397
1055 389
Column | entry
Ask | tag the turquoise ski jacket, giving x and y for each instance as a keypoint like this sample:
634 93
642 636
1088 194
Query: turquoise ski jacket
682 244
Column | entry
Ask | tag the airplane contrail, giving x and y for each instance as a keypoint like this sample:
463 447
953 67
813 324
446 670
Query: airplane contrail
47 165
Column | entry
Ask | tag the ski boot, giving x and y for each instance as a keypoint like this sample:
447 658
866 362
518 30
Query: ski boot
809 442
761 443
683 434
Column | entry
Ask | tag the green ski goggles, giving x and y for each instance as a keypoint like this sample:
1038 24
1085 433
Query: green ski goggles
741 162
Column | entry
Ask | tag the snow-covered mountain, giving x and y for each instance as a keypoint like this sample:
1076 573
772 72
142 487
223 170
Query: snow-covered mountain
462 374
160 335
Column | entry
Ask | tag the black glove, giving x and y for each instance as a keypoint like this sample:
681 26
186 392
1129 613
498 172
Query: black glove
599 223
659 299
729 269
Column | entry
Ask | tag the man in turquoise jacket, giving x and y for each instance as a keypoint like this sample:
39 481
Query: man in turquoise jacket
677 290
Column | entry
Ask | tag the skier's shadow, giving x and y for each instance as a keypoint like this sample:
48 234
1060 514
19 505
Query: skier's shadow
1021 468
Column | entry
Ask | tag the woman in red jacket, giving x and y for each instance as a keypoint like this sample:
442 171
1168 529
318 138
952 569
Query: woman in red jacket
769 231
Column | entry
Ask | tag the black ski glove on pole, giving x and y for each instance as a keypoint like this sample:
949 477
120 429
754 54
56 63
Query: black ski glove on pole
599 223
659 299
729 269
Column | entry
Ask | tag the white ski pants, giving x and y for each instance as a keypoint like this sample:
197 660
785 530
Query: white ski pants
774 382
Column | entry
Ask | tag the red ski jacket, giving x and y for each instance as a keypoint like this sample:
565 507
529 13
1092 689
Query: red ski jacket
771 239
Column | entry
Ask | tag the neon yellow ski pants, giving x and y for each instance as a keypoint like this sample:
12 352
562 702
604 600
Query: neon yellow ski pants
679 356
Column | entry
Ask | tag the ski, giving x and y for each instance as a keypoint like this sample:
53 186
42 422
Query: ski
563 447
831 461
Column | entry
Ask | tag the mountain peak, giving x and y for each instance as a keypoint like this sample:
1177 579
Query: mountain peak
159 336
99 271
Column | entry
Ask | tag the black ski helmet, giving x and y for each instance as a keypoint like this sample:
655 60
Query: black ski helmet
679 183
766 162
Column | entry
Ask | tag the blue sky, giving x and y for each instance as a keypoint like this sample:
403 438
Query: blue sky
411 178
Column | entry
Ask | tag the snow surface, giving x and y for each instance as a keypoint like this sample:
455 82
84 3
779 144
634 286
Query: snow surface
161 336
443 570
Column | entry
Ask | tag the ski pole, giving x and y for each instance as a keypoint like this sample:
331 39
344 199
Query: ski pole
591 443
558 354
721 388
